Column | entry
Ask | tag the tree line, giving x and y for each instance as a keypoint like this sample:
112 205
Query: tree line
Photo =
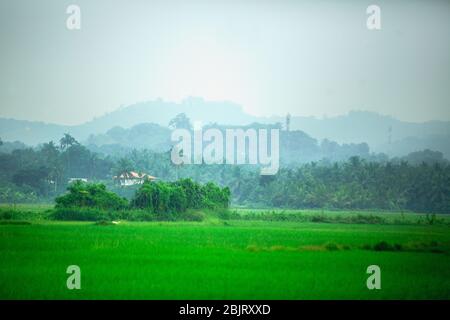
31 174
92 201
355 184
419 182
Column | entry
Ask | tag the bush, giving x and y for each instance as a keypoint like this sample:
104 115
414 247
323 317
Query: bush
104 223
152 201
15 222
193 216
99 215
432 246
431 218
367 219
160 197
226 214
215 197
319 218
6 214
87 195
384 246
18 214
193 192
209 196
81 214
330 246
177 197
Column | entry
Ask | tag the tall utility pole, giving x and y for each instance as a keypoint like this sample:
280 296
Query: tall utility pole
288 121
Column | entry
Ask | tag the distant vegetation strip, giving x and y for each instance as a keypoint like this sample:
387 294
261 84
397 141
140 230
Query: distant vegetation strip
345 217
153 200
40 175
25 214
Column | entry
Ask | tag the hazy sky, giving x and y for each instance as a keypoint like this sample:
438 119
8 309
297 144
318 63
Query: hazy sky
272 57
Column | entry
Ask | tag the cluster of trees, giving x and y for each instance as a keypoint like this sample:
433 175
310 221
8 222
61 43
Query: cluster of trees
90 195
152 197
355 184
418 182
28 174
179 196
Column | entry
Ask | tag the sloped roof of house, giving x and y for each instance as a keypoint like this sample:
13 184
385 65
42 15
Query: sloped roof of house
135 175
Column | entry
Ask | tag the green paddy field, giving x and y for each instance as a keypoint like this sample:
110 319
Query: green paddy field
227 259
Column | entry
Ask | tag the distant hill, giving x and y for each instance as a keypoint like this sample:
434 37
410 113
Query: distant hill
145 135
295 146
158 112
382 133
30 132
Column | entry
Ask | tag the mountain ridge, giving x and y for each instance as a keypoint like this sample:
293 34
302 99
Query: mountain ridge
383 133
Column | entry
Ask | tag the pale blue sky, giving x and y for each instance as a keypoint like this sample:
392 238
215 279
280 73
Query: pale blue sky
272 57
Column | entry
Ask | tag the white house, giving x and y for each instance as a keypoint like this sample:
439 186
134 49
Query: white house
78 179
133 178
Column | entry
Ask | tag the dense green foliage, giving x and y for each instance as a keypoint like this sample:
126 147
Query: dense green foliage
163 197
90 195
353 184
356 184
106 216
333 216
84 214
33 174
152 201
160 197
418 182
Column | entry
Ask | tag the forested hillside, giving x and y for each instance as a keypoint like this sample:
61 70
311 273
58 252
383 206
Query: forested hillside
381 133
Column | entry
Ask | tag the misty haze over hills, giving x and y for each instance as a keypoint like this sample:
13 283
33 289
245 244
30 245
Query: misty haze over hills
382 133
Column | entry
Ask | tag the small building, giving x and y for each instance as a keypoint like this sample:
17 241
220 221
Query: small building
77 179
132 178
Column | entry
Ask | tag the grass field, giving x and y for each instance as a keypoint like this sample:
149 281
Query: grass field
225 259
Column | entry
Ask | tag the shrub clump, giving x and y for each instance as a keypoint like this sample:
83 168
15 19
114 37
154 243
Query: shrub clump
18 214
367 219
15 222
331 246
104 223
153 201
385 246
160 197
90 195
84 214
192 215
432 246
177 197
